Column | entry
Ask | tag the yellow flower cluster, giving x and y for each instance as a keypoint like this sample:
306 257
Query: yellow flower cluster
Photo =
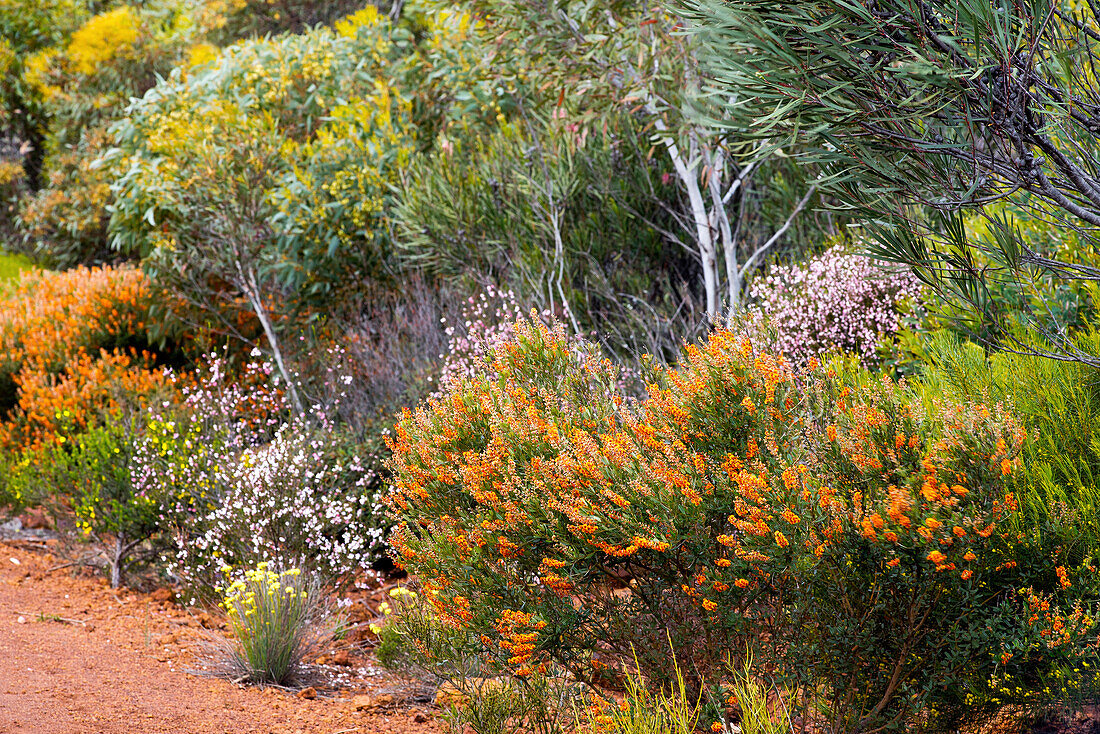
200 54
259 588
373 132
36 72
368 18
102 38
400 592
10 172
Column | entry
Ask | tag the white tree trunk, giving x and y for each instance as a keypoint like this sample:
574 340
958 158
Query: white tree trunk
252 291
116 561
688 172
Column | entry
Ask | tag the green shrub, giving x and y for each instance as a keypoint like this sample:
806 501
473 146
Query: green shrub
301 134
870 540
11 266
91 471
588 209
278 619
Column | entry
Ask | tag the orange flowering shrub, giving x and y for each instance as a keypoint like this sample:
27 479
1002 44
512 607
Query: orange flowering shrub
853 540
69 344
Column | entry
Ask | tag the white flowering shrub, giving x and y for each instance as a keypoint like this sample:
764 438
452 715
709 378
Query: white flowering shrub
247 482
835 300
486 322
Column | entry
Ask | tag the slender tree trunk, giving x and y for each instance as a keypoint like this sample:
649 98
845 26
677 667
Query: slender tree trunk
720 215
116 561
704 234
688 172
252 291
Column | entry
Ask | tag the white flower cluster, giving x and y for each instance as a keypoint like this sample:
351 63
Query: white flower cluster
247 482
835 300
487 321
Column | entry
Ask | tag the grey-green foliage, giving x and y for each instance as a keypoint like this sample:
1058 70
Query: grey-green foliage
1058 402
917 111
576 224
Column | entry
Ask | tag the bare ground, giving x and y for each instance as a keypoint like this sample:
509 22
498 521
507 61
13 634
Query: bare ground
76 656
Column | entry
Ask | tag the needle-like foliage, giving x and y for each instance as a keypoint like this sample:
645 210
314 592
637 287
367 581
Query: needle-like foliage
919 112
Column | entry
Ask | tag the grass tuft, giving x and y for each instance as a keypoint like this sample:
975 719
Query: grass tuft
278 620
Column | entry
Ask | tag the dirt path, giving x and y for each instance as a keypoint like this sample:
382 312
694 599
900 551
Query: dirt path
75 657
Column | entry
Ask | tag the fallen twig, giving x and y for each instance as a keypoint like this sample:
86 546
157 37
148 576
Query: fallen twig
81 562
27 544
43 617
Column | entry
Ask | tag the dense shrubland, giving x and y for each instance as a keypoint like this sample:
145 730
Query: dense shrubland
502 294
867 538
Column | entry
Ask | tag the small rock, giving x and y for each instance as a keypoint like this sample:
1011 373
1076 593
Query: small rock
89 627
163 595
15 561
12 526
341 657
21 620
323 660
448 695
205 620
36 519
308 693
368 703
420 717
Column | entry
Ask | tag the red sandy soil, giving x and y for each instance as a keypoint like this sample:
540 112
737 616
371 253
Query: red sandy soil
76 656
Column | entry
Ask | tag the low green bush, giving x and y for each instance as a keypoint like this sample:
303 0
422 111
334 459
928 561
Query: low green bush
90 472
12 266
18 488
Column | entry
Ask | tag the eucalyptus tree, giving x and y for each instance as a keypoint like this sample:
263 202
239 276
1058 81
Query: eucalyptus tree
925 117
595 61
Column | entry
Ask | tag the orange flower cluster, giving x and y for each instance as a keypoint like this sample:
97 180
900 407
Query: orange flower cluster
518 634
733 474
1054 627
71 342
